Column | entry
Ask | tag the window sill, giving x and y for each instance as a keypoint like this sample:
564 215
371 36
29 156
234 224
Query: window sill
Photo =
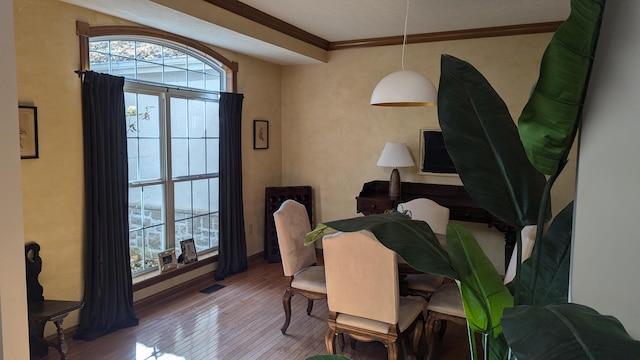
154 277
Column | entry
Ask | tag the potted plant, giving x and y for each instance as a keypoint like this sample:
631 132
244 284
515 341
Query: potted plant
510 171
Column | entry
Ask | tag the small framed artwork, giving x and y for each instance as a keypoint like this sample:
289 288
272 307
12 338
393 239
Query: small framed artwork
28 122
189 253
434 158
167 260
260 134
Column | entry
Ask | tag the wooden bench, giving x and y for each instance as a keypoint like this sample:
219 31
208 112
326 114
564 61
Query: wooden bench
41 310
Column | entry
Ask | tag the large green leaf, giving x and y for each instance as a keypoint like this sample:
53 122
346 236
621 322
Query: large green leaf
483 143
566 332
550 120
552 284
413 240
484 296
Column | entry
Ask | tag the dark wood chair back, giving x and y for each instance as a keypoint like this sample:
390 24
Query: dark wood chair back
33 263
41 310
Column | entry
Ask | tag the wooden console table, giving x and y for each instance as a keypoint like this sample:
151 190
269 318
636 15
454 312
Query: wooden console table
374 199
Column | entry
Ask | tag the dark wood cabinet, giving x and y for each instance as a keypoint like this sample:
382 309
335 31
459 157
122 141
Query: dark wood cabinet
374 199
274 197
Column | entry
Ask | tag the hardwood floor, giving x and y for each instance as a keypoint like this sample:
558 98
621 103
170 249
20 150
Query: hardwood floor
240 321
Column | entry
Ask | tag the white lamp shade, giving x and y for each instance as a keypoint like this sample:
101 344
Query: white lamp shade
404 88
395 155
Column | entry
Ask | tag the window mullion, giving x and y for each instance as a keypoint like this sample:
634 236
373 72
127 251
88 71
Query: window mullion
167 170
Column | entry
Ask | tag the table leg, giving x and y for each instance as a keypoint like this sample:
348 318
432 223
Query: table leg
61 346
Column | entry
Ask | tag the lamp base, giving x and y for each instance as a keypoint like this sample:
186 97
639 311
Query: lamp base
394 185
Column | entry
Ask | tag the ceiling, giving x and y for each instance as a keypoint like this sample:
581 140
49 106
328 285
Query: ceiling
328 21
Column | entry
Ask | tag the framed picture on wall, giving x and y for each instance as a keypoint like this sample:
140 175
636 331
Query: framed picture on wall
260 134
28 122
434 158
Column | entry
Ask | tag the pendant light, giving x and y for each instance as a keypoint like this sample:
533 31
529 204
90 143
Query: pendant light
404 88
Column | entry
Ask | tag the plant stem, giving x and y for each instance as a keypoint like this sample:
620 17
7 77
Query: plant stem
537 249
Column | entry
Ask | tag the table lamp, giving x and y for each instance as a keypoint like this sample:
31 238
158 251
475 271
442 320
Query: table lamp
395 155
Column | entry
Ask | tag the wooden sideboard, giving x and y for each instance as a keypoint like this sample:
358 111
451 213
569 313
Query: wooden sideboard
374 199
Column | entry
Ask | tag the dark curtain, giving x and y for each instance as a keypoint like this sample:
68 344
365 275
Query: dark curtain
108 292
232 247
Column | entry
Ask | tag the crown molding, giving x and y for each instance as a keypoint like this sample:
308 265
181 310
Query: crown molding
449 35
267 20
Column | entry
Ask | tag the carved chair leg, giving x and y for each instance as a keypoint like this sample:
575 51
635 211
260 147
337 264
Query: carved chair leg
431 338
286 303
329 340
417 335
392 350
309 306
61 346
442 328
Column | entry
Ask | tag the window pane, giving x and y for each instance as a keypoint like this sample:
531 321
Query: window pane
213 157
175 58
196 118
179 121
184 231
214 190
148 116
195 64
149 159
123 48
154 243
132 158
214 221
212 79
200 197
180 157
121 66
182 200
212 122
153 205
135 208
196 157
195 79
148 71
175 77
136 250
131 113
201 232
149 52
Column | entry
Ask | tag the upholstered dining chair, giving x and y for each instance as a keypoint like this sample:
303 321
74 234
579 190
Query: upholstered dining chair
446 302
298 261
363 294
437 217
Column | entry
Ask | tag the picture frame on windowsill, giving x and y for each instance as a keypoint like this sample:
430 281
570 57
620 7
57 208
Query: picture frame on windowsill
189 253
167 260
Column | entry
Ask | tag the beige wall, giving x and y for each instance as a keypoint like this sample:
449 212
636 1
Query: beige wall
332 137
322 131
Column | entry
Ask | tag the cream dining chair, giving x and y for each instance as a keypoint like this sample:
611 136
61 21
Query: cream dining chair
363 294
446 302
298 261
437 217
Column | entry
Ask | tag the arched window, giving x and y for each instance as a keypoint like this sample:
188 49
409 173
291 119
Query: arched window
171 106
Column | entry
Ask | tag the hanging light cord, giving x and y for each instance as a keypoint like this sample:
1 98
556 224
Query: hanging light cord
404 39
